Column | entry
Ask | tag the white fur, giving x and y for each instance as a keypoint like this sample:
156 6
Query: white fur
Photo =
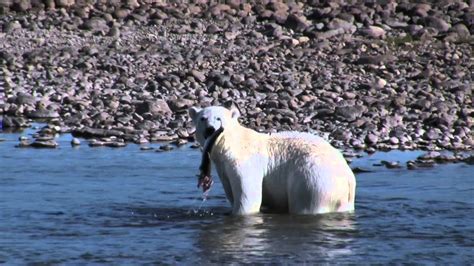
291 172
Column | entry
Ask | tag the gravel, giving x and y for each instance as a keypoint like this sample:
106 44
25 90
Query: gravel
391 75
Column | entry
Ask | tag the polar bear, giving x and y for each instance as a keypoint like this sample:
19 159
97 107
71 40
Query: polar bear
293 172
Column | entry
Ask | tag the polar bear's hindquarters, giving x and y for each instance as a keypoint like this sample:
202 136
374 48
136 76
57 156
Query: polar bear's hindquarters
327 186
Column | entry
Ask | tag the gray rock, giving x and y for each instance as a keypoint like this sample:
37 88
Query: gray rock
349 113
338 23
297 22
42 114
391 164
154 107
75 142
50 144
96 24
438 23
199 76
14 122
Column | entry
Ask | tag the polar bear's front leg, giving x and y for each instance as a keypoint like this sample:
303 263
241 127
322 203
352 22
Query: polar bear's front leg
247 193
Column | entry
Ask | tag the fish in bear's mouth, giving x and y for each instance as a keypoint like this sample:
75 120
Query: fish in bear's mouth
204 177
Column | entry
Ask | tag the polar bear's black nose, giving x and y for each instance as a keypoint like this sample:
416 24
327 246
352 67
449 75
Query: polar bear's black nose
209 131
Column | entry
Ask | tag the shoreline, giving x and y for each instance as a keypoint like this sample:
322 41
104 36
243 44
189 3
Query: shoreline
402 160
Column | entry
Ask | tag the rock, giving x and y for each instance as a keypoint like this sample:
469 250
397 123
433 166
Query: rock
179 142
114 32
195 146
391 164
96 143
180 104
154 107
297 22
371 139
338 23
51 144
374 59
469 159
38 114
115 144
373 31
166 147
380 83
75 142
96 24
199 76
12 26
394 141
88 132
23 144
358 170
14 122
438 23
212 29
65 3
161 137
27 99
349 113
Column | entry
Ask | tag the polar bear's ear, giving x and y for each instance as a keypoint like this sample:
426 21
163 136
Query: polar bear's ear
193 112
233 108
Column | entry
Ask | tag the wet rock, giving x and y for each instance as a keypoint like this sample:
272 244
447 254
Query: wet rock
96 143
14 122
391 164
179 142
469 159
115 144
371 139
75 142
23 144
50 144
166 147
195 146
88 132
358 170
159 137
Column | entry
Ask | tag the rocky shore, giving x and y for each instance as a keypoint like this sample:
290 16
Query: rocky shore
372 75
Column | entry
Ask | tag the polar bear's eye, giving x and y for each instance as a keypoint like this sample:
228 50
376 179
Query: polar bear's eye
218 119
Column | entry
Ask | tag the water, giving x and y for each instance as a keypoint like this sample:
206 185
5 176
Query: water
127 206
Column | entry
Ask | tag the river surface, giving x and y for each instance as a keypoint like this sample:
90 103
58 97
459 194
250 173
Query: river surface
115 206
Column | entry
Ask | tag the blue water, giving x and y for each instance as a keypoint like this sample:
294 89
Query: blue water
127 206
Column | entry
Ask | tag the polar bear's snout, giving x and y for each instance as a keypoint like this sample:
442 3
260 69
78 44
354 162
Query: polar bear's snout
208 132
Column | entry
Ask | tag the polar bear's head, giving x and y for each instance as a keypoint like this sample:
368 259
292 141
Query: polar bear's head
208 120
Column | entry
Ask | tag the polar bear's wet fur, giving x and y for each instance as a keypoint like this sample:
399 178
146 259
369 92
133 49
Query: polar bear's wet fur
293 172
